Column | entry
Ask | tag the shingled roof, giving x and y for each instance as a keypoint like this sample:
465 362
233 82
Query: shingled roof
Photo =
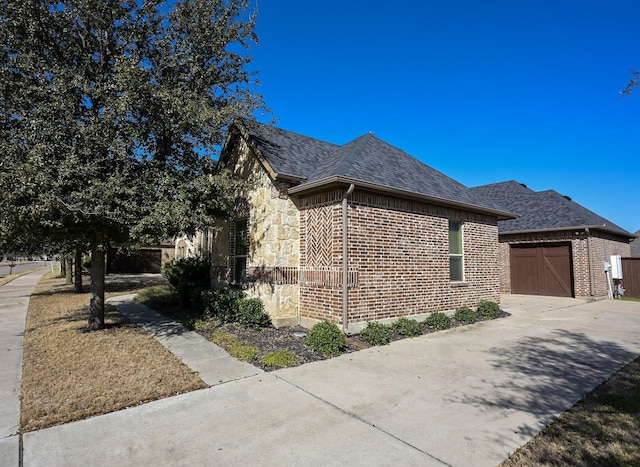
542 210
366 161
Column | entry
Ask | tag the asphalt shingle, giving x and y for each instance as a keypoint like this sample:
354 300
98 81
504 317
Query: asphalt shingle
365 159
544 210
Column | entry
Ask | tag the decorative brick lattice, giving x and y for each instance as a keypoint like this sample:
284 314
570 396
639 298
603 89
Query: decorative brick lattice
319 237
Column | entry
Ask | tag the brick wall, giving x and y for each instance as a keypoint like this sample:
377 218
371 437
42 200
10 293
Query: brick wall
400 250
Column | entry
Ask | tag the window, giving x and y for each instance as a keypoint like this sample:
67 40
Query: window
240 249
456 257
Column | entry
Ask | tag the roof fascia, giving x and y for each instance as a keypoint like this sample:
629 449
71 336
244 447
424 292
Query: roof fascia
574 228
244 133
341 180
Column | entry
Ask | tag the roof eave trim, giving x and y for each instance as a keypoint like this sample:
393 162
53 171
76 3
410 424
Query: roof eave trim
337 179
244 133
575 228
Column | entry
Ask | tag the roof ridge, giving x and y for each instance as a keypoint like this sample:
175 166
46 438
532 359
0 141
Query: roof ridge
348 159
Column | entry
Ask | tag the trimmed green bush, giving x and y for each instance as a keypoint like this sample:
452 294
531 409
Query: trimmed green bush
407 327
185 274
376 333
251 314
488 309
223 304
326 337
465 315
438 320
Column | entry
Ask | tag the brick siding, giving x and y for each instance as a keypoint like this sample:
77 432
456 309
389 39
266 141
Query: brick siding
400 250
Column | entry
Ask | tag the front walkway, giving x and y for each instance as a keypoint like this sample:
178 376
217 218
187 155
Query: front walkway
212 363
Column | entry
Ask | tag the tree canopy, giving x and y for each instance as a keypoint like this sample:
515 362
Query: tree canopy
633 83
112 116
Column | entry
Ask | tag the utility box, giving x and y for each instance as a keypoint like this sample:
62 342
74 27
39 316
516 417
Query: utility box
616 267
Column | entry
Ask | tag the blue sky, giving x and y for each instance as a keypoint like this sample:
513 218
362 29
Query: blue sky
483 91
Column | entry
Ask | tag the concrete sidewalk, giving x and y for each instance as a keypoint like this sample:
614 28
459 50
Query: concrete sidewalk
213 364
468 396
14 301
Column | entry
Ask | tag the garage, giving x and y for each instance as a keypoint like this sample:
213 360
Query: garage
542 269
141 261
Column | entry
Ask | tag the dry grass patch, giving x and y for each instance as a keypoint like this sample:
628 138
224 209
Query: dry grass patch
602 429
70 374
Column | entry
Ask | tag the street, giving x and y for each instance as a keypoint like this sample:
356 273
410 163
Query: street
20 266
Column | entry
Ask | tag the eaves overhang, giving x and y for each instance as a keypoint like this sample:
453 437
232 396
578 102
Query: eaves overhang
338 180
578 228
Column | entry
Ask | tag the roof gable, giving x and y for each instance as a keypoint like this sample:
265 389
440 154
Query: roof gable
543 210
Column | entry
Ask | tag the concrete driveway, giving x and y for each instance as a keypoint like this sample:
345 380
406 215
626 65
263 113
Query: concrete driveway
468 396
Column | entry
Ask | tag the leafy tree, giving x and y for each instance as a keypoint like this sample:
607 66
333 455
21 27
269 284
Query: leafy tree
633 83
112 115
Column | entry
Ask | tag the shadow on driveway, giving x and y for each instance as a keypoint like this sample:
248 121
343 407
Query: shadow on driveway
544 376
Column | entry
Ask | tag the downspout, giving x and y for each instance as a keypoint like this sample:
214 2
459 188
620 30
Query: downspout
591 279
345 261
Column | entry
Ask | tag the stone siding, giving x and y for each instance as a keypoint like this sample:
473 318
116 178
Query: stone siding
274 239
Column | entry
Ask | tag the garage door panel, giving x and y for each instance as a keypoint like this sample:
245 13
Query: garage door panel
526 281
556 277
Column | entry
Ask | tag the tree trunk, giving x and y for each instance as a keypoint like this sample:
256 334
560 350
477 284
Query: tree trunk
96 307
77 283
68 269
63 266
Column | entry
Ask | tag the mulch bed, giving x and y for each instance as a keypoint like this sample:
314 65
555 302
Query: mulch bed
293 338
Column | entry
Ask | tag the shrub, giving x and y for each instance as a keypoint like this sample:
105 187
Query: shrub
251 314
326 337
488 309
407 327
221 304
465 315
438 320
280 358
376 333
186 273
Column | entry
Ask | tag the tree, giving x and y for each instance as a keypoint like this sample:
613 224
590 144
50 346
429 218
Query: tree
112 116
633 83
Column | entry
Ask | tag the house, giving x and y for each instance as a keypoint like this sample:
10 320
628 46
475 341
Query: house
351 233
147 259
635 245
556 247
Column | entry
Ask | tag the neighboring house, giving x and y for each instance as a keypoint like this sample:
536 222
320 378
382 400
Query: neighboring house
556 247
187 246
148 259
351 233
635 245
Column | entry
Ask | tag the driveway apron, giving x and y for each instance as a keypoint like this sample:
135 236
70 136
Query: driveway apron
467 396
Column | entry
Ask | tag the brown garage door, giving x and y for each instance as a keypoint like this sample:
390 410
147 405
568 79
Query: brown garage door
141 261
541 270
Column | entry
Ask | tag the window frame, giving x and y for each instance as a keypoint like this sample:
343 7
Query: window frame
458 257
240 256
